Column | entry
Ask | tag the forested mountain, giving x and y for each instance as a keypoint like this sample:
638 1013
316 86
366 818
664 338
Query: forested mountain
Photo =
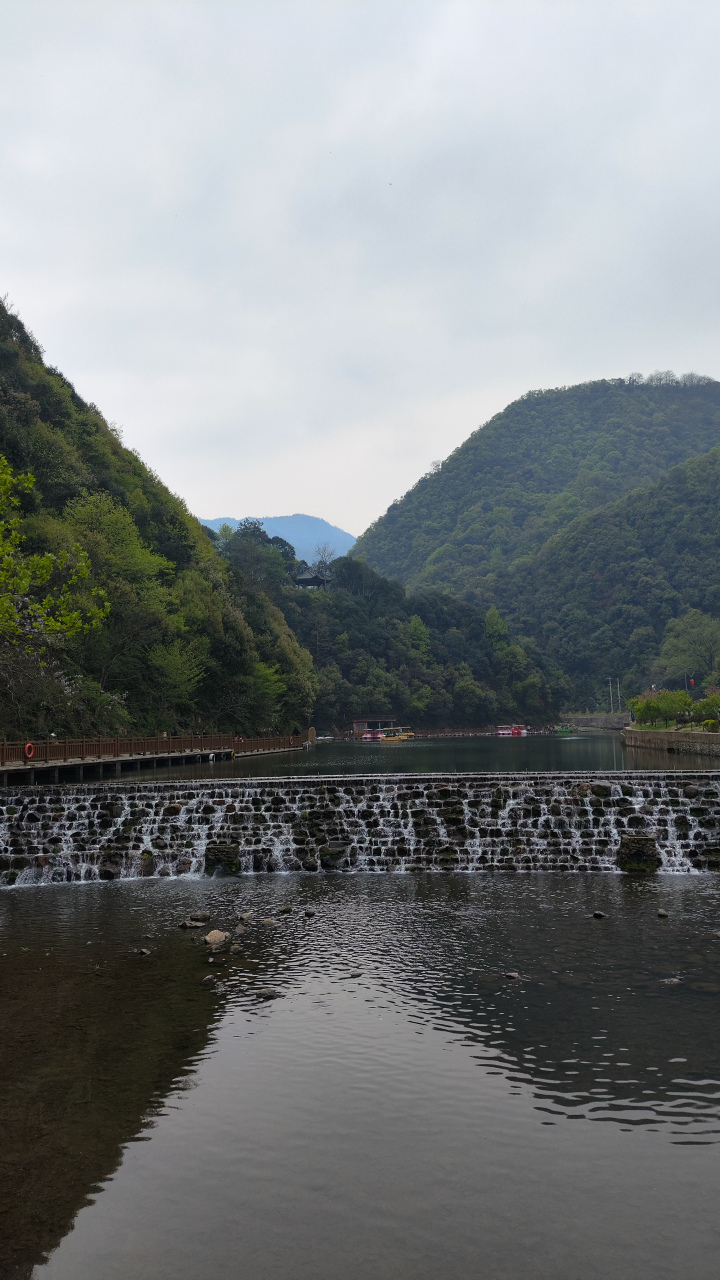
118 611
552 550
425 657
534 468
177 648
598 596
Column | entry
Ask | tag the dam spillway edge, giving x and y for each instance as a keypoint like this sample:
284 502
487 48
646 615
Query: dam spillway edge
479 822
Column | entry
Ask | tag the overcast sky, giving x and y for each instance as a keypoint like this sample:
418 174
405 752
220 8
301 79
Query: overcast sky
298 251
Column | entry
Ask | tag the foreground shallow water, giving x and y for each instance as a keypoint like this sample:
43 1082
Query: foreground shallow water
402 1110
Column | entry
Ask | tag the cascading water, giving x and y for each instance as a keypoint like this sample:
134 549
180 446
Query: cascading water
403 822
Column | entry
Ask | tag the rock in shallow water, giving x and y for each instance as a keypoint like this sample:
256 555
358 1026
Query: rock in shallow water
267 993
216 938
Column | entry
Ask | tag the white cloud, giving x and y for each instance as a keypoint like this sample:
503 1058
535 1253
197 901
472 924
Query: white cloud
298 251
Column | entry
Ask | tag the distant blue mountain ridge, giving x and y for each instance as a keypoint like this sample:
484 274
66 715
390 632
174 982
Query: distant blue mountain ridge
304 533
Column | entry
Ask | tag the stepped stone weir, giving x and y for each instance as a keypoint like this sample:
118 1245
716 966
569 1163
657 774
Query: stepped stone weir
633 822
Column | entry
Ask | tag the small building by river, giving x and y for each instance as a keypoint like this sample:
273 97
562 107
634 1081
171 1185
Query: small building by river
372 724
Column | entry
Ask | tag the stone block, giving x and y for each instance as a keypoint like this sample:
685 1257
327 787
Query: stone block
638 855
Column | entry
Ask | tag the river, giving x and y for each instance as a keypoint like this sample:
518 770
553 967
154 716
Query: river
582 751
414 1077
402 1110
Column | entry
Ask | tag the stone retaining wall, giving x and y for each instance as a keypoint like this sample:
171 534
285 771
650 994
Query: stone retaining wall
408 822
682 743
596 720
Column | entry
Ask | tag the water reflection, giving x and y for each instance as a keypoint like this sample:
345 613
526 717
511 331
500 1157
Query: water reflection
601 751
610 1022
611 1019
92 1038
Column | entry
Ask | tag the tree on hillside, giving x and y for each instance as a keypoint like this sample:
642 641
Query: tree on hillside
261 562
324 556
691 642
44 603
38 593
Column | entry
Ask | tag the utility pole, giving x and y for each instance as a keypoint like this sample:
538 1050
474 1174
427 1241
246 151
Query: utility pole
618 689
611 694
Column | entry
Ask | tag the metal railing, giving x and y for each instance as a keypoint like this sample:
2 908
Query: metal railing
48 751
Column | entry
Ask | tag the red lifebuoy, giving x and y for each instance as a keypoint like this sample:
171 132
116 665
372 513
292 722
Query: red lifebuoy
29 751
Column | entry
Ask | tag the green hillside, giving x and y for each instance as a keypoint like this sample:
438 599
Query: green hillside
549 552
119 611
425 657
599 594
534 468
176 649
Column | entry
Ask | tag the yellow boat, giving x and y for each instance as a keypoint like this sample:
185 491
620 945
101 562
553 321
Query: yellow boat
398 734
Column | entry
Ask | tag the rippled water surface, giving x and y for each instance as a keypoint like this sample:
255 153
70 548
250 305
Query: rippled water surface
402 1109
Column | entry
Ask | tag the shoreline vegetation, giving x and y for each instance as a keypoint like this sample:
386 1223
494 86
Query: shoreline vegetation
677 710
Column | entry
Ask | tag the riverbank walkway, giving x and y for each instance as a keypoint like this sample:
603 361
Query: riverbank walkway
72 759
